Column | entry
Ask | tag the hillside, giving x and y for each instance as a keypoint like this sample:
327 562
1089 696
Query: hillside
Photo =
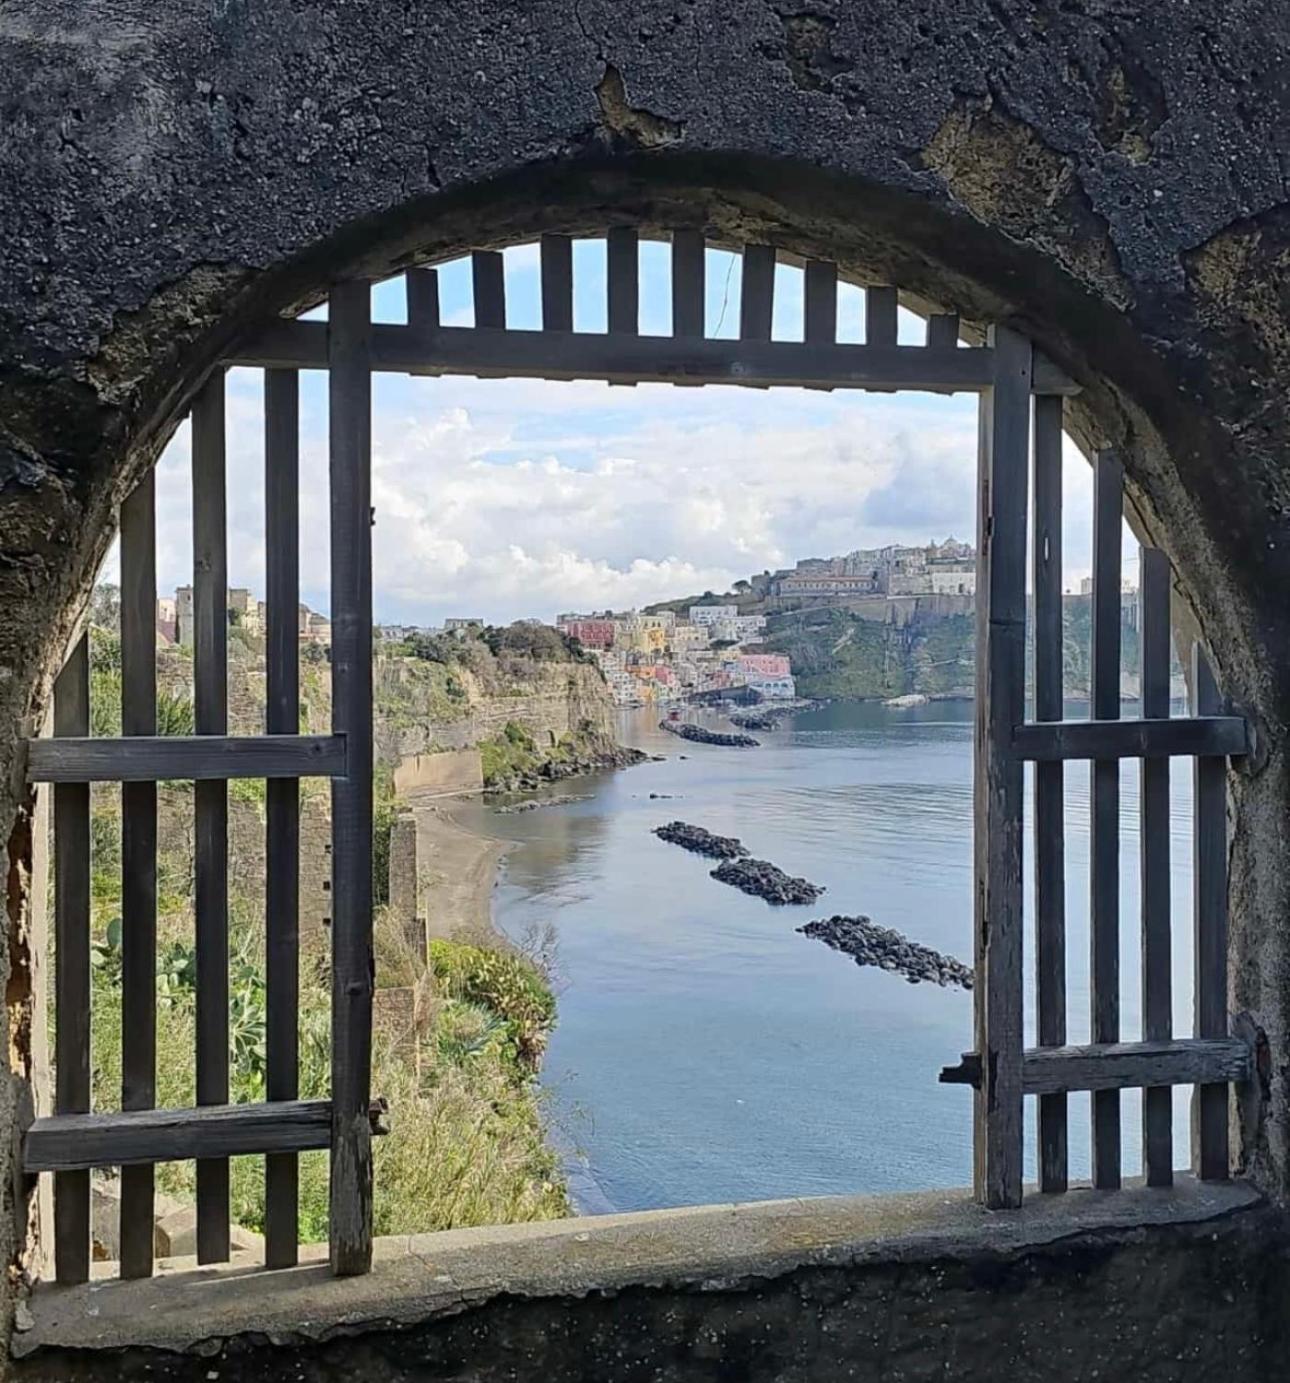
836 652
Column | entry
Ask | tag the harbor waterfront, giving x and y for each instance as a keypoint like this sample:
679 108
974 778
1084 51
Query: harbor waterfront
706 1051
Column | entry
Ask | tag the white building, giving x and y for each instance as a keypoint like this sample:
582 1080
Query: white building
712 614
774 688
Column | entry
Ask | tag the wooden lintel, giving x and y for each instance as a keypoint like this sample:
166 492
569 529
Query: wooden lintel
490 352
154 758
1177 737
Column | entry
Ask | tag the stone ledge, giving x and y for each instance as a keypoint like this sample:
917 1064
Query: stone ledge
707 1248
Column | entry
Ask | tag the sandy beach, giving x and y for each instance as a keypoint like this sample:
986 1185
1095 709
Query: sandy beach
458 869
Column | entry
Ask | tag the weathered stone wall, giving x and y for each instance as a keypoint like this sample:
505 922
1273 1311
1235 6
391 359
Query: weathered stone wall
1110 178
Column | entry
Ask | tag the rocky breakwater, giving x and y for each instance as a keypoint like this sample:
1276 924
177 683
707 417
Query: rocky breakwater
869 944
765 880
758 877
701 735
768 717
699 841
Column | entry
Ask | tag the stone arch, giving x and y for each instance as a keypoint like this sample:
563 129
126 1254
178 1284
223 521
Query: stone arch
180 180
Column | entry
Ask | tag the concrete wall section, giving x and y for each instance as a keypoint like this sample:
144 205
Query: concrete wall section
1159 1287
449 771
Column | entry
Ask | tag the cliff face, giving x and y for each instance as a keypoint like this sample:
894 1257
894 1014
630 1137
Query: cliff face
437 693
425 706
895 648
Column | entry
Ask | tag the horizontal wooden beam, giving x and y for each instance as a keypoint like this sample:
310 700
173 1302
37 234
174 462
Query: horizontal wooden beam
624 359
73 1142
154 758
1120 1065
1179 737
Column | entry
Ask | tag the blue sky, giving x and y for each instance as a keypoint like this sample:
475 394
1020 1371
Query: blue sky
514 498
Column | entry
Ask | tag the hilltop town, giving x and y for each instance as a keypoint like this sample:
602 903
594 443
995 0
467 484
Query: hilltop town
874 622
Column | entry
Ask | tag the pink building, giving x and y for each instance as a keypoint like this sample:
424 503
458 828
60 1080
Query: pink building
660 672
590 633
764 664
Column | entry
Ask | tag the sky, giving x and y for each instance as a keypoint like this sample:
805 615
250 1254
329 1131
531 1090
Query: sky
509 499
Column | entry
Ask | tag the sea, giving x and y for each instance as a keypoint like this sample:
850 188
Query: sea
706 1050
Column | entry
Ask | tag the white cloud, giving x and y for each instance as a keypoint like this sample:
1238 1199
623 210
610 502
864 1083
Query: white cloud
513 498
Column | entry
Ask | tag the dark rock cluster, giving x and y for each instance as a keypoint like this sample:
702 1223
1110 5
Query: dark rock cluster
869 944
701 842
560 800
768 717
702 735
765 880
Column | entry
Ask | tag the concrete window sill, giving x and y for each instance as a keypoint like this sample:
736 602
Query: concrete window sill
715 1248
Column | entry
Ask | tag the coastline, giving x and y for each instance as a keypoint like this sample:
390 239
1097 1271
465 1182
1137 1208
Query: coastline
460 870
462 873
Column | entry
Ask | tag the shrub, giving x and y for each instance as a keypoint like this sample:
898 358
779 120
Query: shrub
503 982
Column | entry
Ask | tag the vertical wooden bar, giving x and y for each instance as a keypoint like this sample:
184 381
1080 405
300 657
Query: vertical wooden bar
1157 989
820 306
1049 779
757 293
880 316
623 281
557 283
349 337
72 966
1104 825
1209 874
689 283
943 332
488 276
210 717
998 783
282 814
138 861
422 286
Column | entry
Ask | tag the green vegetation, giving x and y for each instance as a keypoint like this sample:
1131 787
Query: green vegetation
835 653
505 983
467 1144
508 756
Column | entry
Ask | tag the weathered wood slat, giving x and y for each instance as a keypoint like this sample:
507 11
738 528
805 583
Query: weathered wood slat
145 759
1153 855
622 265
69 1143
880 316
1004 459
282 804
689 287
757 293
138 861
1049 783
686 358
488 278
820 302
1104 824
943 332
557 283
210 833
422 287
1210 1154
351 594
1161 738
72 966
1121 1065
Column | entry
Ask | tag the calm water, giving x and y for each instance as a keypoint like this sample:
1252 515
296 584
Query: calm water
705 1050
